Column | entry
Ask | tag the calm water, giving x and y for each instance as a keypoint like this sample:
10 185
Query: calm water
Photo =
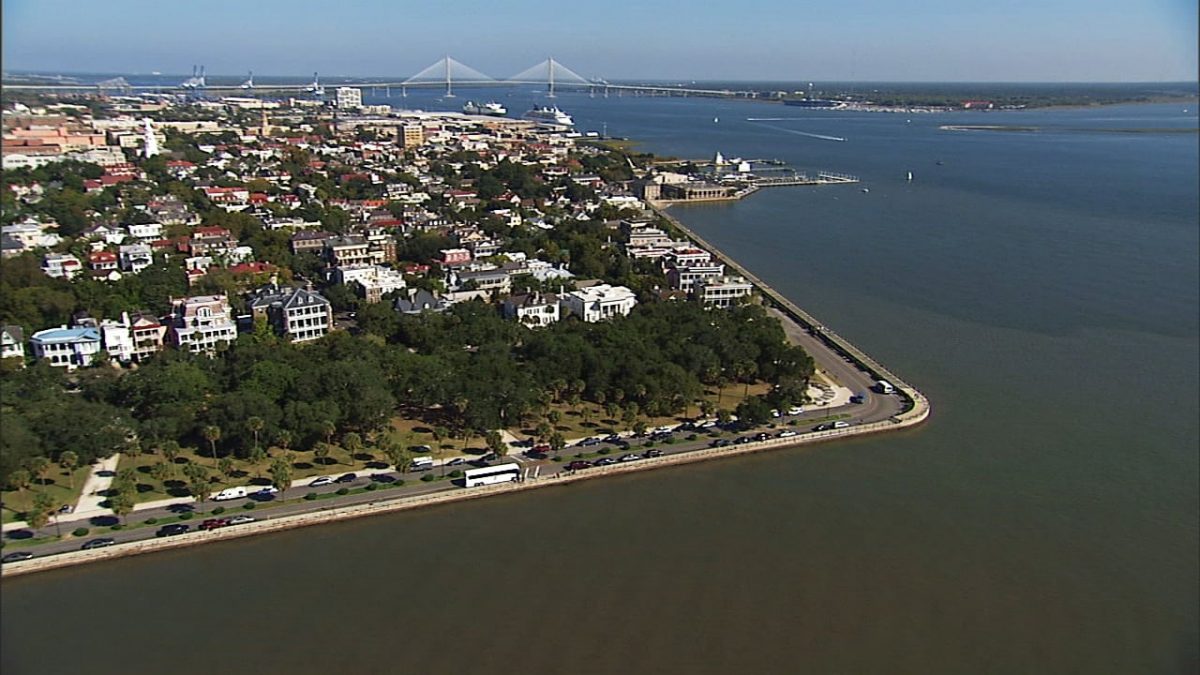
1042 288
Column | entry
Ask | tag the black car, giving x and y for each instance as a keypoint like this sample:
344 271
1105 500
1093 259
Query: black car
742 439
98 543
346 478
16 556
172 529
653 452
604 461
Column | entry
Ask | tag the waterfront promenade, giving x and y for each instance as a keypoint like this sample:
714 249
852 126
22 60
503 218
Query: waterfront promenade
835 357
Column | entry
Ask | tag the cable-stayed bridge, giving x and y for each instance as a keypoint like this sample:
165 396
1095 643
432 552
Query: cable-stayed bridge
446 72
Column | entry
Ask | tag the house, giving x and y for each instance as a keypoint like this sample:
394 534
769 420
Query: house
102 262
298 314
532 309
417 300
211 241
12 342
145 231
117 338
149 337
61 265
136 257
348 250
684 278
66 347
201 324
494 280
722 291
372 281
455 256
311 241
599 302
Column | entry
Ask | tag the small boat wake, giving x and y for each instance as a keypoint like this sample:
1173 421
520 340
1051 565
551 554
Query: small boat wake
822 137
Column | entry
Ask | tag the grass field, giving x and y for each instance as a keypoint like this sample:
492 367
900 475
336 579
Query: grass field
62 486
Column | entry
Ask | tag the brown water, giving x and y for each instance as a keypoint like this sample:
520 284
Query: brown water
1044 521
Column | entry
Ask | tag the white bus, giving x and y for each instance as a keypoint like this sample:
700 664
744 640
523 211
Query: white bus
489 475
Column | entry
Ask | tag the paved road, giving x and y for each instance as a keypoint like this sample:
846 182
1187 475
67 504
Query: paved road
877 407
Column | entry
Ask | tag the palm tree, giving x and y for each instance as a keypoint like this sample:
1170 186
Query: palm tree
328 428
281 475
37 467
121 504
69 460
353 444
170 452
255 425
19 478
320 452
257 455
225 466
212 434
283 439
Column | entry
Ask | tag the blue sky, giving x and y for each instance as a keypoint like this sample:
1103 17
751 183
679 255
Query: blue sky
873 40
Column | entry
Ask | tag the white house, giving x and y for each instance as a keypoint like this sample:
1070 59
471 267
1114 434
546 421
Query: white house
135 257
117 338
145 231
200 324
66 347
596 303
722 291
61 265
532 309
12 342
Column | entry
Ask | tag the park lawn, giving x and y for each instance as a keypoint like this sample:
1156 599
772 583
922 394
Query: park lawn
589 419
63 487
245 472
409 433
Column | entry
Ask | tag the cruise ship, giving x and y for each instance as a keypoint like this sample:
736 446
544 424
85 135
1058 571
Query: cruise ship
489 108
550 115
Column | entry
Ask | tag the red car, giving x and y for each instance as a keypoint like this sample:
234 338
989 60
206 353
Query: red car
578 464
214 523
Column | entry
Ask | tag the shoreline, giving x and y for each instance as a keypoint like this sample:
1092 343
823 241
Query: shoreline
337 514
917 409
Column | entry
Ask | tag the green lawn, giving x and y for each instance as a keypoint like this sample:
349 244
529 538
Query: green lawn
62 486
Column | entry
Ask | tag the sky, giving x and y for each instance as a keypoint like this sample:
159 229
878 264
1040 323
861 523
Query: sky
790 40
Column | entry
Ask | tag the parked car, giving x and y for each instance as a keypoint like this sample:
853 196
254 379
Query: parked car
612 438
840 424
66 508
321 480
604 461
172 530
590 441
652 452
787 433
629 458
858 398
762 436
795 410
214 523
579 464
821 427
98 543
346 478
242 520
455 462
16 556
742 439
266 490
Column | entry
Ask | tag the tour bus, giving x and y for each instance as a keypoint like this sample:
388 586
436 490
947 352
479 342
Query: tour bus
421 463
885 387
488 475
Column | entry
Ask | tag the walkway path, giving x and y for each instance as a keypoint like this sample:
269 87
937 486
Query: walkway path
98 481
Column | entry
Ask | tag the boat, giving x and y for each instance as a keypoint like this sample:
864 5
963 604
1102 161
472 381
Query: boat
550 115
910 176
490 108
866 189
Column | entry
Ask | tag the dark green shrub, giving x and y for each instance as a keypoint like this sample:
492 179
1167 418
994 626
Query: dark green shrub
310 496
371 487
343 491
249 506
186 515
218 511
150 521
80 532
116 527
456 474
429 478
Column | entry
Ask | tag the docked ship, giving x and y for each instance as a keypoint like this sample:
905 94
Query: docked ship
489 108
812 103
550 115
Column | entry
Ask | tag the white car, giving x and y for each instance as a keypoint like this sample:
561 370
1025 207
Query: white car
840 424
242 520
795 410
321 480
788 433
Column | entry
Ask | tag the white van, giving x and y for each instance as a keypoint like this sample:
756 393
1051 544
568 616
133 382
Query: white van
230 493
421 464
884 387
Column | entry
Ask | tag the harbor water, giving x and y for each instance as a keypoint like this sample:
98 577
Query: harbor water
1041 287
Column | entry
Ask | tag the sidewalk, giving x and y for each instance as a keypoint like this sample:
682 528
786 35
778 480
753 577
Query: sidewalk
88 505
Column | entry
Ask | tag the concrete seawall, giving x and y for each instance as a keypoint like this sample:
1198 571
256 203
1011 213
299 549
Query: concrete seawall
918 404
916 412
335 514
